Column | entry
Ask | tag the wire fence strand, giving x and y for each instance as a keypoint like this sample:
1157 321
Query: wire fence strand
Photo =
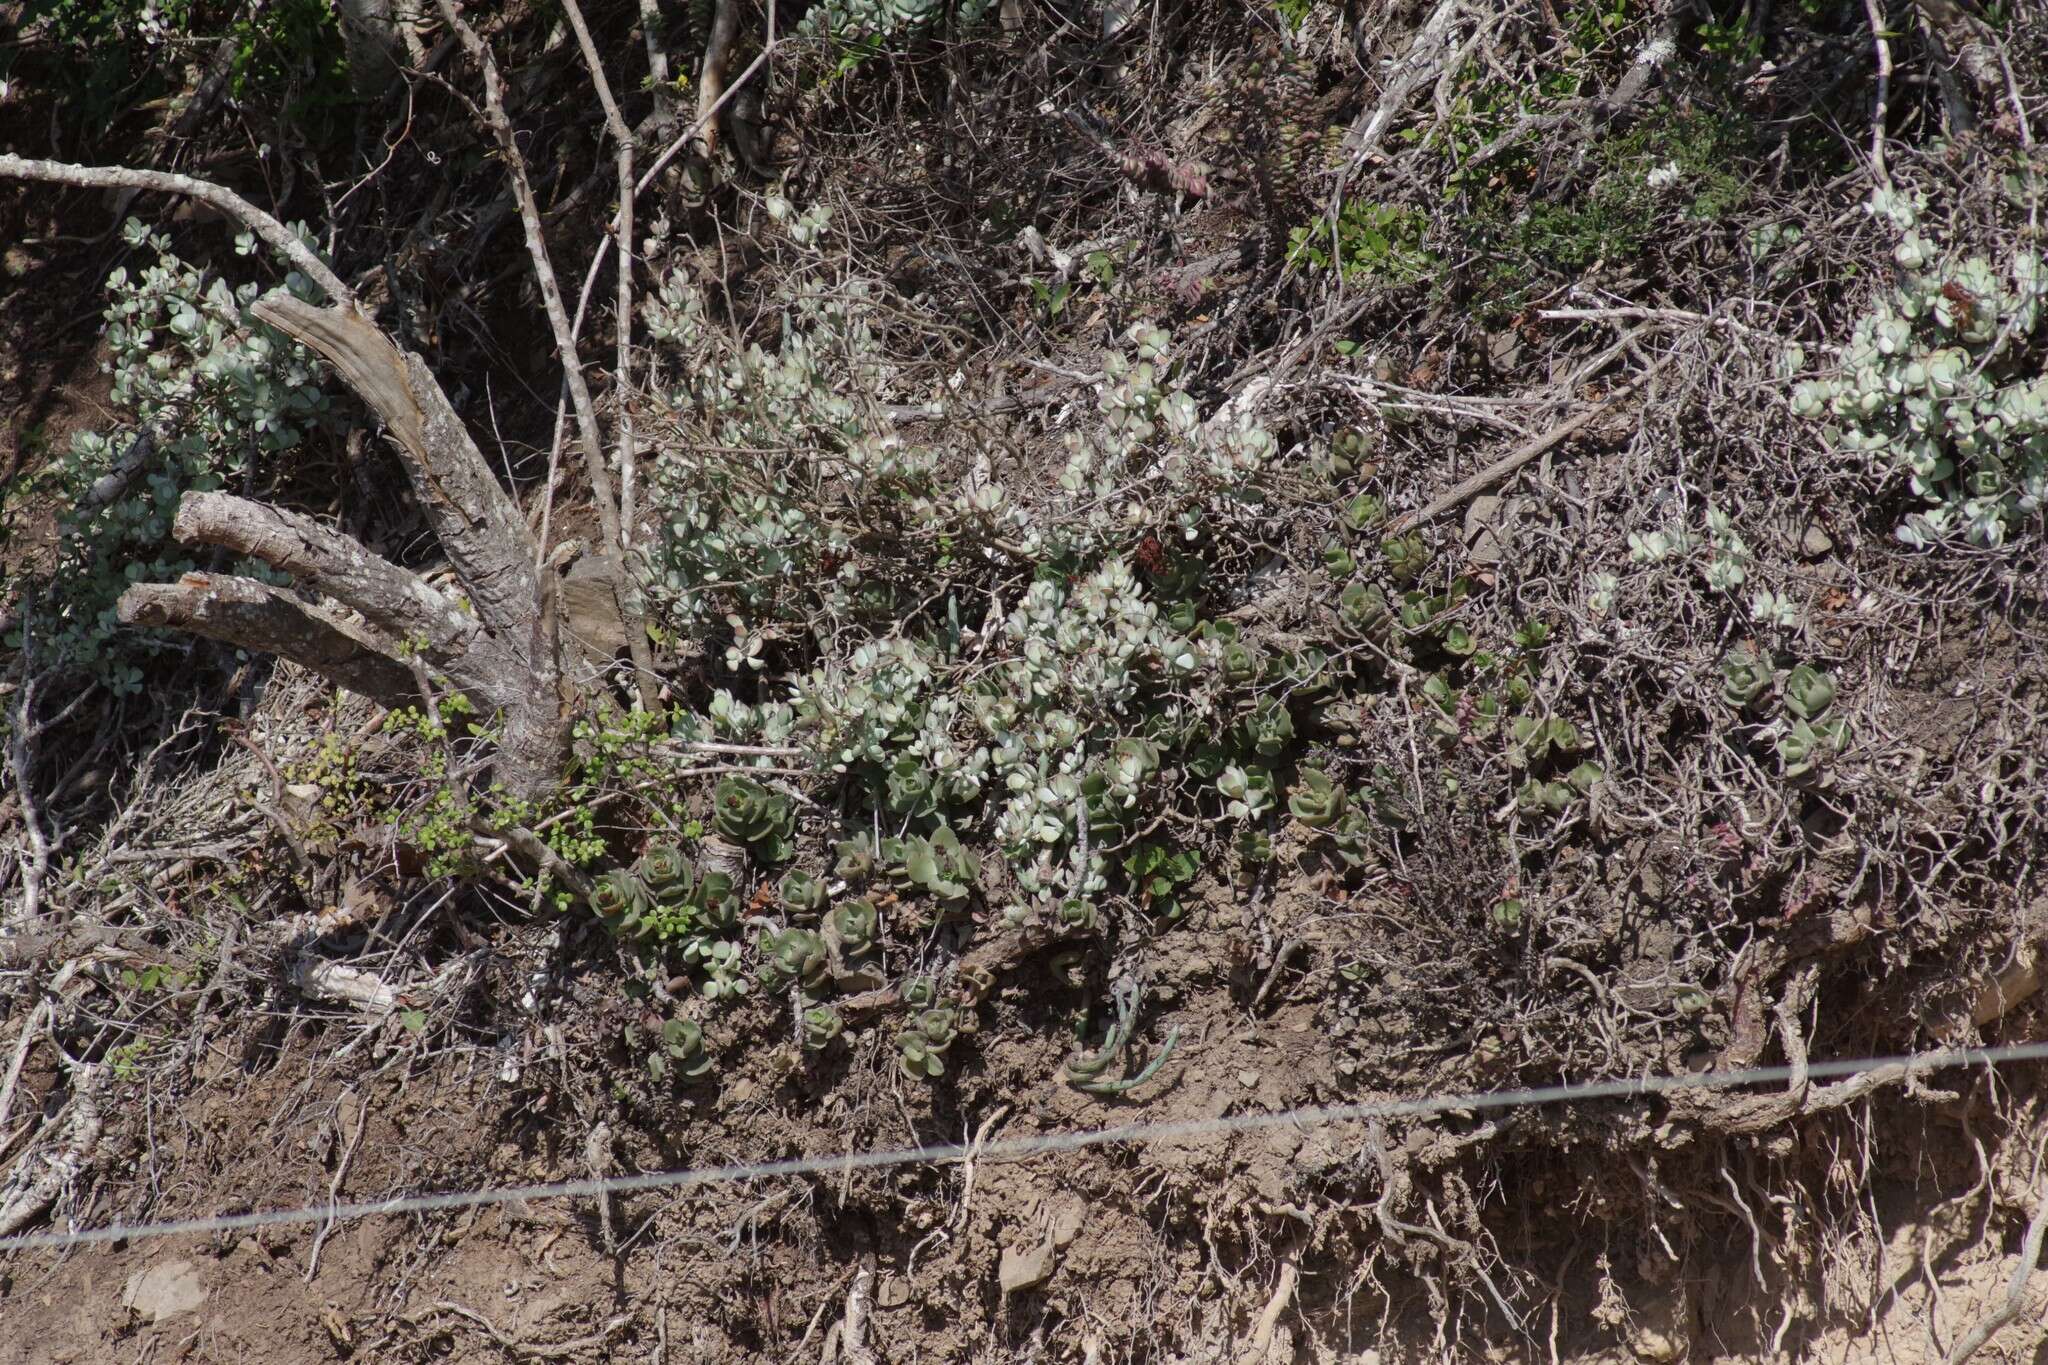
1021 1148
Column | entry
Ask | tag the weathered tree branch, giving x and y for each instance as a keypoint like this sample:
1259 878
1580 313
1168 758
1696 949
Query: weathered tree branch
253 615
506 659
622 223
725 28
217 196
474 518
397 602
657 67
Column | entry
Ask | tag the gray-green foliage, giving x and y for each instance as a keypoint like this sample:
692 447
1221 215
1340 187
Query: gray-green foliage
922 1046
219 394
1083 677
771 533
854 21
1943 382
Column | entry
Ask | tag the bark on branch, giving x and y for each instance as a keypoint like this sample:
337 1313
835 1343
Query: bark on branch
254 615
504 656
499 124
401 603
167 182
474 518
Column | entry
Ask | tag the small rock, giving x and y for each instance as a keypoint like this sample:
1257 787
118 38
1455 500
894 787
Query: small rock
1816 543
1067 1221
1504 349
1659 1333
1025 1268
165 1290
893 1293
1247 1079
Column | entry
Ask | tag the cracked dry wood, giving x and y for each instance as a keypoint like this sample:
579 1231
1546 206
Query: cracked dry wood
473 516
330 563
503 656
255 615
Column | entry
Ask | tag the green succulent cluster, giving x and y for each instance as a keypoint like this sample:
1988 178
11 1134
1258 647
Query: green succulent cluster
663 902
1157 875
1544 747
922 1047
856 925
1475 692
1248 791
669 1045
821 1024
1317 800
662 898
720 965
869 23
802 893
1554 797
938 864
1363 612
793 957
1808 731
751 814
1321 803
1074 682
1941 383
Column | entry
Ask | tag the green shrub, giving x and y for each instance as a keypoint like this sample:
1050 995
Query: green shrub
1942 383
221 395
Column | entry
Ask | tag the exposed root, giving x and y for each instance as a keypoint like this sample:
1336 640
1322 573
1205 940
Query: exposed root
2015 1300
42 1174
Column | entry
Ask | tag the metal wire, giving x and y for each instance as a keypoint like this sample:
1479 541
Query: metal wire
1011 1149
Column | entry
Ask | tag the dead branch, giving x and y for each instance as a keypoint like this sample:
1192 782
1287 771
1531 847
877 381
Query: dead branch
622 222
397 601
2015 1300
342 984
473 517
219 197
42 1174
725 28
1500 469
657 67
853 1327
20 765
254 615
30 1031
1269 1317
1426 54
1875 13
610 1328
507 660
348 1156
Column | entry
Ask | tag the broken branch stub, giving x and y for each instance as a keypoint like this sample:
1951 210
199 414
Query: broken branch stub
473 516
507 661
255 615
